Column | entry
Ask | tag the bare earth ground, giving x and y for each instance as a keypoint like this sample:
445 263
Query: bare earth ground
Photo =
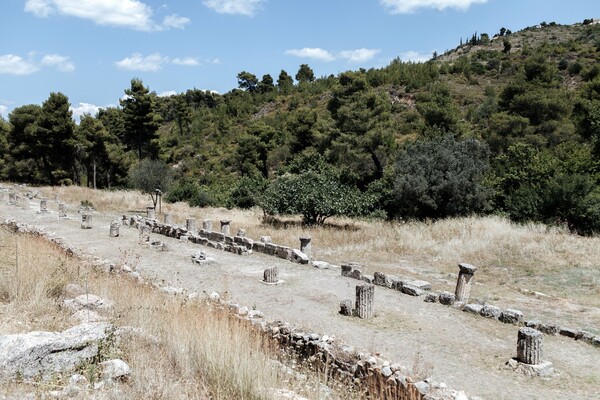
465 351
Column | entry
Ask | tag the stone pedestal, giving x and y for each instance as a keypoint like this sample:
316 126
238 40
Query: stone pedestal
150 213
271 275
12 198
23 202
529 346
190 225
62 210
144 234
463 284
43 206
346 307
114 229
305 245
86 221
207 225
125 220
168 218
364 300
225 226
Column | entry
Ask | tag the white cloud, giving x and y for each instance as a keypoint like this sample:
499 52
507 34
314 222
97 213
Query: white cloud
409 6
15 65
244 7
175 21
40 8
359 55
214 61
3 111
84 108
132 14
186 62
415 56
167 93
311 52
137 62
61 63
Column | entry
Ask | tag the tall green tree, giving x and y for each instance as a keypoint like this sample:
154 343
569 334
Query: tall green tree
24 150
247 81
101 153
285 83
305 74
140 120
55 134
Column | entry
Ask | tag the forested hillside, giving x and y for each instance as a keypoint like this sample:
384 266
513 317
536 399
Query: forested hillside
505 123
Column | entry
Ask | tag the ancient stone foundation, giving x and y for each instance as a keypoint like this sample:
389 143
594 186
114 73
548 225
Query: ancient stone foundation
207 225
86 221
463 284
271 275
364 300
529 346
114 229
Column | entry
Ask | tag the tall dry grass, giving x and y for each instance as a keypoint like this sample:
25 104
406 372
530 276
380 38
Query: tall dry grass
181 348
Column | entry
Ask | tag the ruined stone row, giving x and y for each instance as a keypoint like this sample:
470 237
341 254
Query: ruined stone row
239 244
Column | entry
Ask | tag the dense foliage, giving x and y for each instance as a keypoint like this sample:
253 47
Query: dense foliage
506 123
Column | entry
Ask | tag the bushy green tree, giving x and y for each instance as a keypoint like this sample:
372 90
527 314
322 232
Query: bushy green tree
305 74
189 191
149 175
441 177
314 195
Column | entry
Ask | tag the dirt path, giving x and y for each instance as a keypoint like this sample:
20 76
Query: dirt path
464 351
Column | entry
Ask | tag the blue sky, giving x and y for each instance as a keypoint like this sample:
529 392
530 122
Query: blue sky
90 49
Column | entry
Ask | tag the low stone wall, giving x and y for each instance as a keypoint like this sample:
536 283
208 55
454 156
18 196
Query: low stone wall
370 375
235 244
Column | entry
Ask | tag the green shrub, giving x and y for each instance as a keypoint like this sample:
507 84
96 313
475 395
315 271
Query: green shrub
189 191
440 178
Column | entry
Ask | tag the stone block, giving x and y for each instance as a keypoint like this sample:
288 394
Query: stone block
549 329
568 332
473 308
299 257
412 290
446 298
431 298
510 316
489 311
346 307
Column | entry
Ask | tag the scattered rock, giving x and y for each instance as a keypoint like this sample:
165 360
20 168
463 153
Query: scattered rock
114 370
447 298
44 353
411 290
89 302
72 290
321 265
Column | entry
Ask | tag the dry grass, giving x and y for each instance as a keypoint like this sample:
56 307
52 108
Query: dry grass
188 349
